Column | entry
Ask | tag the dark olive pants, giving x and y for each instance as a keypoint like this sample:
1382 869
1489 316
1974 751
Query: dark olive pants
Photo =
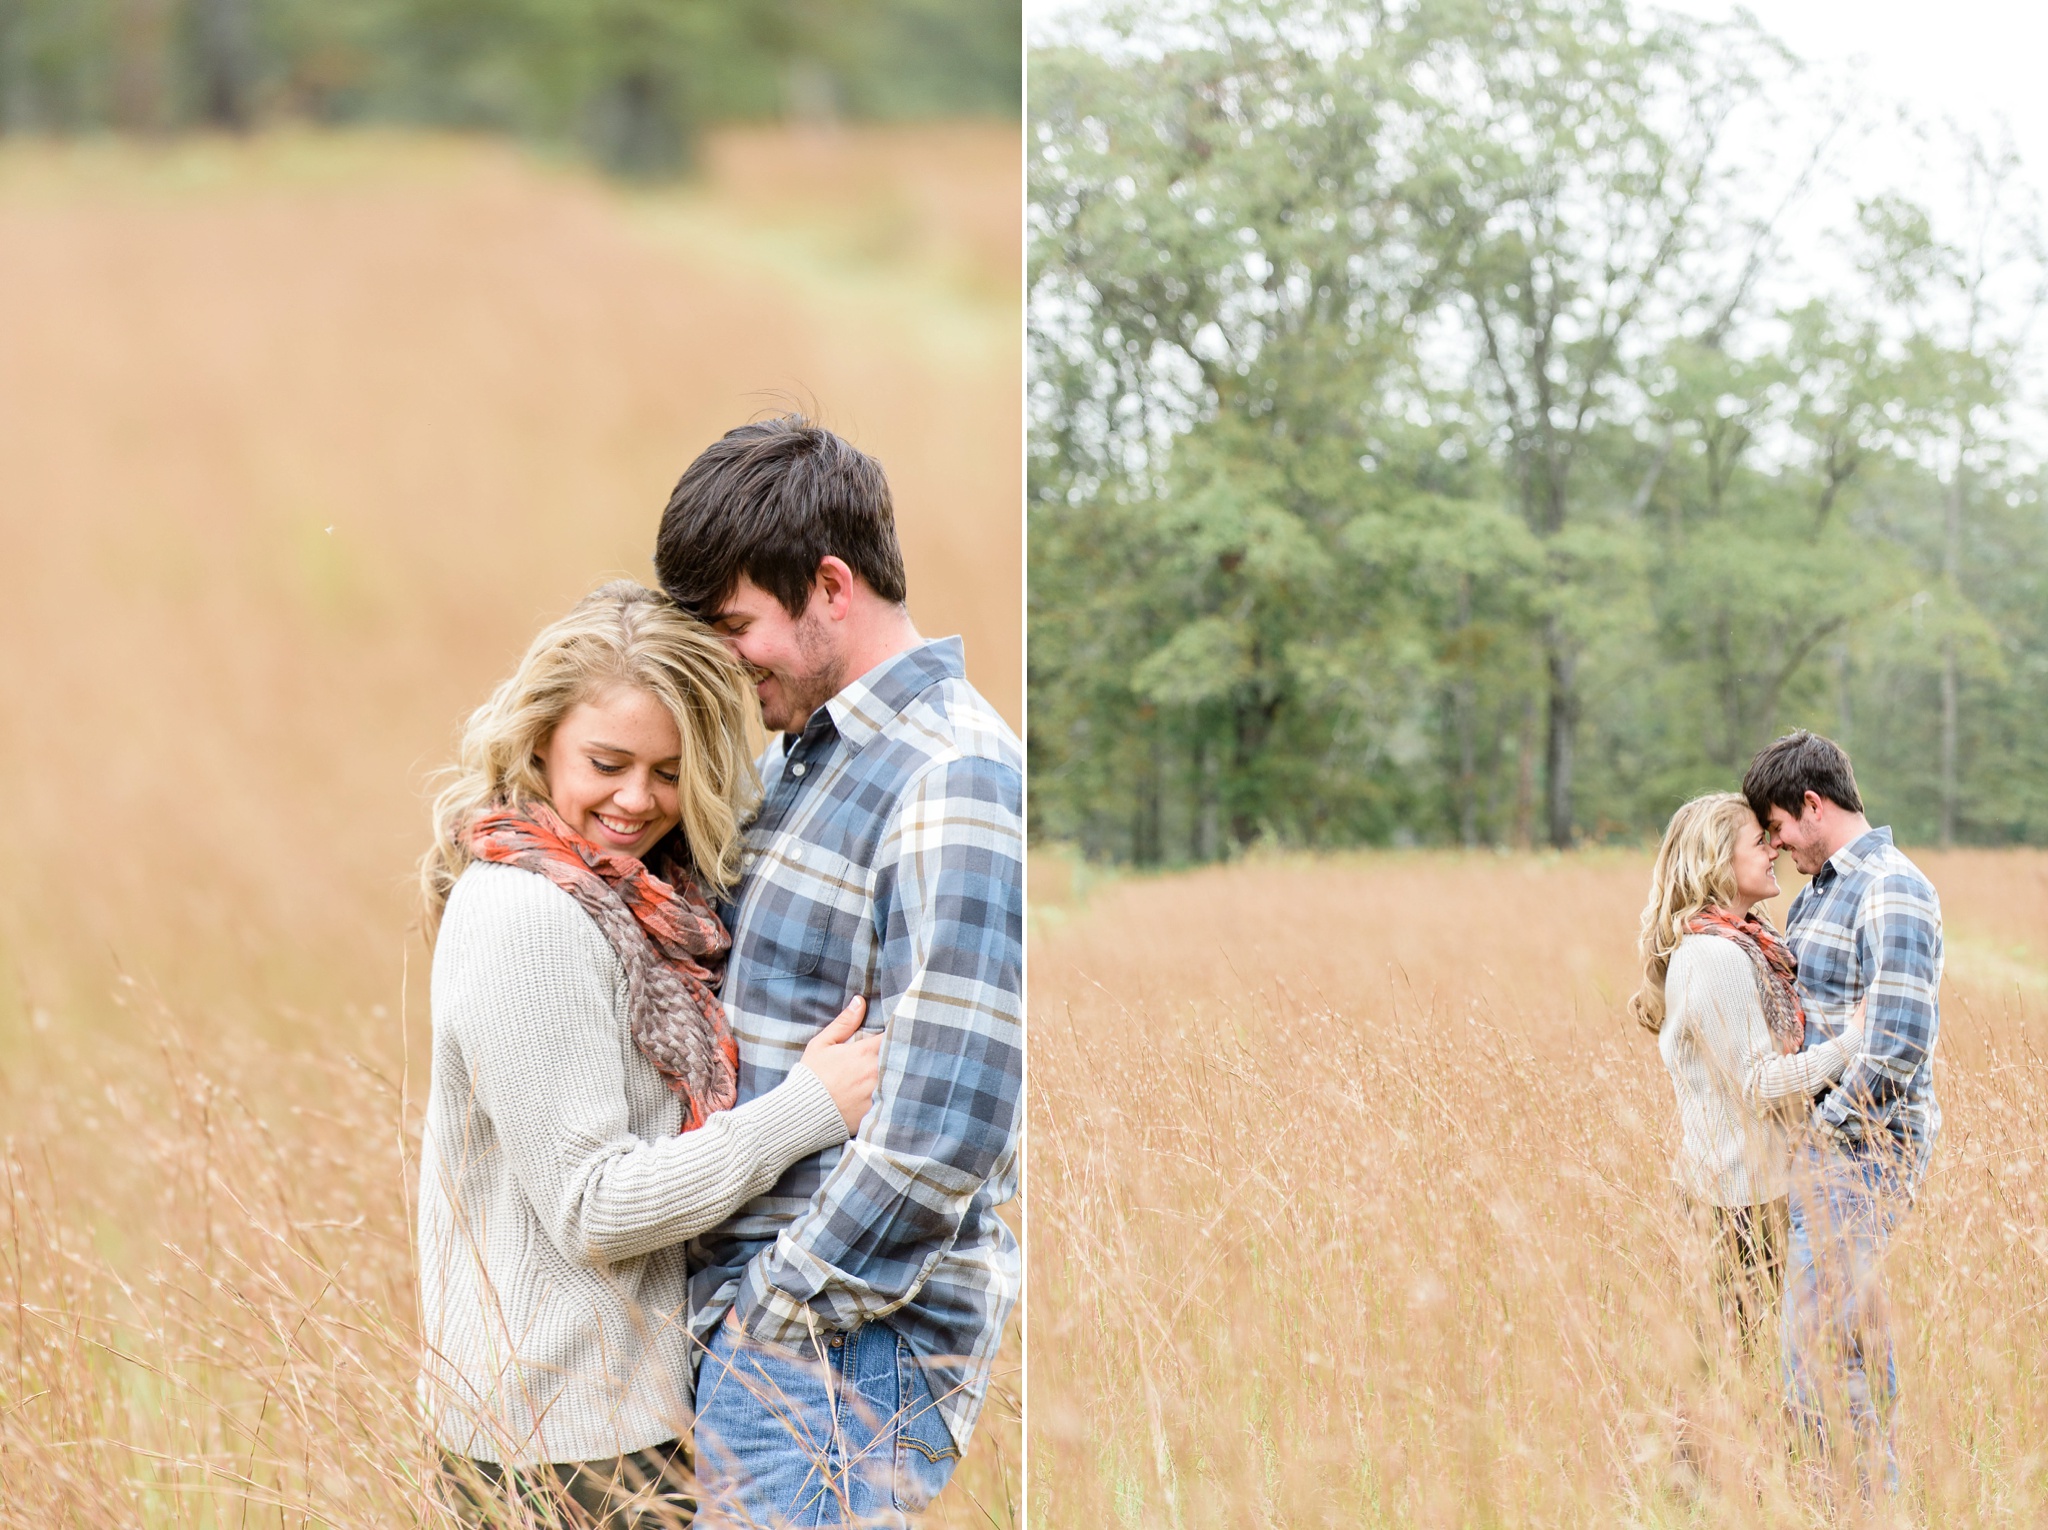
1749 1269
649 1490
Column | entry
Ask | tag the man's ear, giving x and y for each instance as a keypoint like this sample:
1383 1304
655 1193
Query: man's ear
834 581
1812 805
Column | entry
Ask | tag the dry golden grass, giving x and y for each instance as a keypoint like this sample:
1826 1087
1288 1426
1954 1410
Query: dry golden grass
1350 1207
300 440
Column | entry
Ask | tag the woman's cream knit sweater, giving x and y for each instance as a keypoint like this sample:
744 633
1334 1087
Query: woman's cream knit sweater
555 1192
1737 1093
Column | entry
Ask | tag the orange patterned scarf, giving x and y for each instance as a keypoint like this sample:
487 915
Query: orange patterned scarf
1777 969
666 935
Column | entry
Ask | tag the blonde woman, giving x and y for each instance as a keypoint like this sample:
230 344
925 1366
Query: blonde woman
1720 992
582 1118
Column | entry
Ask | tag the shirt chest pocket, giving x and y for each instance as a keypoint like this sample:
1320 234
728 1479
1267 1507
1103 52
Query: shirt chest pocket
792 949
807 914
788 921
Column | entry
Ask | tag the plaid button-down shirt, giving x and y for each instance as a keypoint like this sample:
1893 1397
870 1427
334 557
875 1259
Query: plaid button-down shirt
1869 924
887 860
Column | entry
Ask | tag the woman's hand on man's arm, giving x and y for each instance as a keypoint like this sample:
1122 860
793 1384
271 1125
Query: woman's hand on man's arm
1852 1033
532 1002
847 1063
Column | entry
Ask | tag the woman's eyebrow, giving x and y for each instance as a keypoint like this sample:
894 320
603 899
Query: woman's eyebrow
603 748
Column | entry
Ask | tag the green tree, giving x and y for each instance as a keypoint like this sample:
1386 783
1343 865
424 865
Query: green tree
1187 266
1412 439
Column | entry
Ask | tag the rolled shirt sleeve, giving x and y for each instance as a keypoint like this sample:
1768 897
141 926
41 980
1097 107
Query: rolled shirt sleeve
1898 950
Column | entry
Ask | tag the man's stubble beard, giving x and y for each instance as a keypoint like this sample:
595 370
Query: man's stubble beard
1805 854
804 691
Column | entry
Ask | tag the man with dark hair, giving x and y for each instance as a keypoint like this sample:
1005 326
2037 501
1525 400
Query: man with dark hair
767 501
1866 928
850 1316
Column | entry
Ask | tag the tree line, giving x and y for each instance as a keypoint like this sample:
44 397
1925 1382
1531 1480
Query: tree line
629 80
1437 435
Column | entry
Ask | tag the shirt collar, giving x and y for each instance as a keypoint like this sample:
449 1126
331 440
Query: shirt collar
1852 856
877 698
817 727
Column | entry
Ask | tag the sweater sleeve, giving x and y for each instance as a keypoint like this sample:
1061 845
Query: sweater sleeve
532 996
1713 982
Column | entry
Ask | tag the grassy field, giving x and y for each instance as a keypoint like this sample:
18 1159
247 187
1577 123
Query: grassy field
300 440
1350 1206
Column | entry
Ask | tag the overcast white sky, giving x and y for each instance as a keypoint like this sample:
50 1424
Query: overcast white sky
1976 61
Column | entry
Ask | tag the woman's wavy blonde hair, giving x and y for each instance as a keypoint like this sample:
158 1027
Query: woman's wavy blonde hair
1695 869
620 634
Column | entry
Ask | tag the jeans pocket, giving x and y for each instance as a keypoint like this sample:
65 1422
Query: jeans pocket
925 1452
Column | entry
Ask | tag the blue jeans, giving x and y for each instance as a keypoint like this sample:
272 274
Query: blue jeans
1837 1326
846 1433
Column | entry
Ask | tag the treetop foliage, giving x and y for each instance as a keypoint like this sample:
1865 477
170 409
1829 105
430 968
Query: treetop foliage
1437 434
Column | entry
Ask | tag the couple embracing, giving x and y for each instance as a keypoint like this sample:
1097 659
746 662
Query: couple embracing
727 1058
1803 1066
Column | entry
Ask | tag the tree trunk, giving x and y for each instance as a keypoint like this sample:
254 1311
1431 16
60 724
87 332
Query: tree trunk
1203 838
1946 835
1496 813
226 68
1463 704
1951 569
1561 731
641 126
1468 769
142 65
1525 776
1253 726
1145 812
1845 710
17 108
1244 823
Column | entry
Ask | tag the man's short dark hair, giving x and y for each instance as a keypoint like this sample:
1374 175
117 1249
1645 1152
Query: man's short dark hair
769 501
1783 773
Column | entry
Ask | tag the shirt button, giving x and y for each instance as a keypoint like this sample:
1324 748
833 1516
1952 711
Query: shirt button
797 769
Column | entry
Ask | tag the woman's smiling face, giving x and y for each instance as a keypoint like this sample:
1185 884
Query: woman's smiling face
1756 876
611 767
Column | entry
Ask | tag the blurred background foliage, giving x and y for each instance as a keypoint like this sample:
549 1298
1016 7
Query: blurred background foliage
1449 425
629 81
